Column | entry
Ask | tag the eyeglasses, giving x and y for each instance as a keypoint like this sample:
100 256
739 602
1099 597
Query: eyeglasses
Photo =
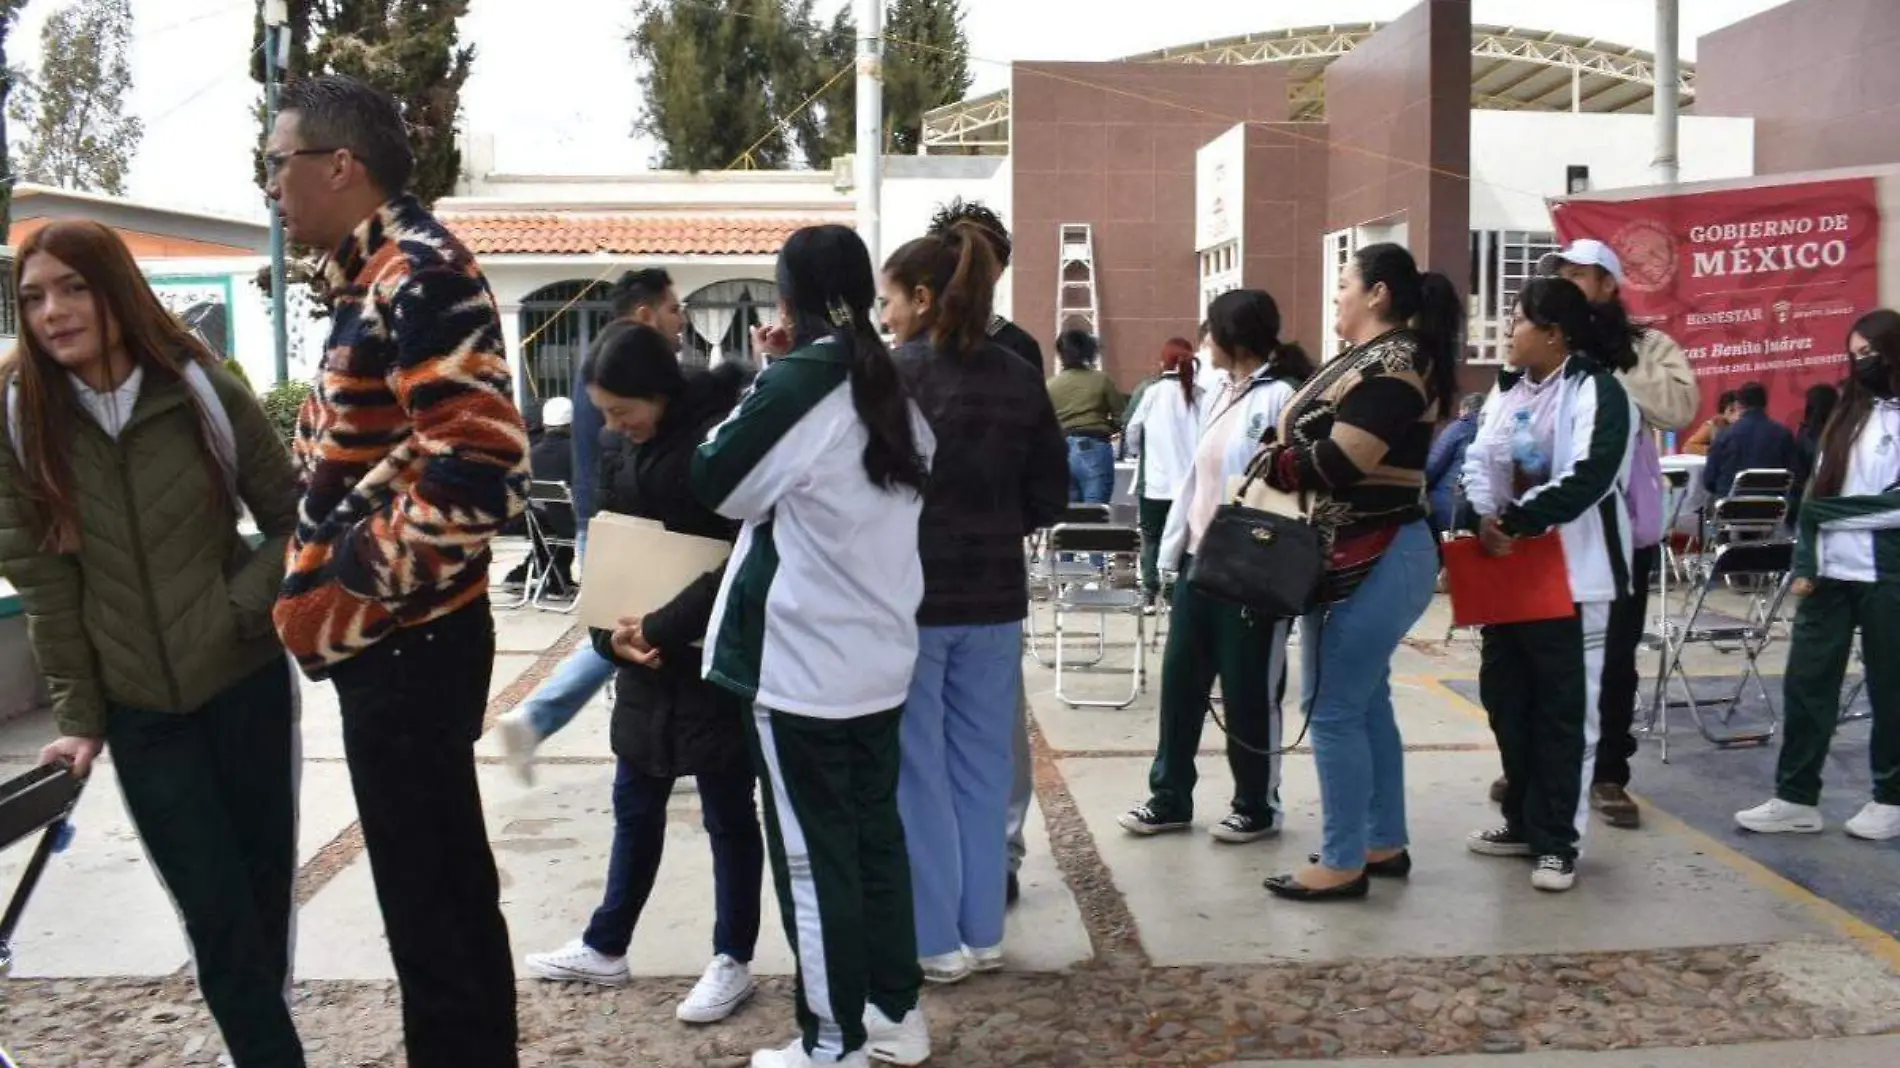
274 161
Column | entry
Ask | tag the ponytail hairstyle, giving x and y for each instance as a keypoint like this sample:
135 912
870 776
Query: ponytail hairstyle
1177 357
1557 302
1426 303
960 269
1616 334
1881 328
1248 320
825 280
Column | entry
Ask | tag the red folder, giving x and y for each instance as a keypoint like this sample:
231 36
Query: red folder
1530 584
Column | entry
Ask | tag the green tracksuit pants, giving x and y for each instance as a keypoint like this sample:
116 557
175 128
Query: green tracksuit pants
841 870
1822 640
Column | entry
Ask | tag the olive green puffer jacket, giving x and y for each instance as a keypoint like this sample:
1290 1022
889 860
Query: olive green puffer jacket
165 605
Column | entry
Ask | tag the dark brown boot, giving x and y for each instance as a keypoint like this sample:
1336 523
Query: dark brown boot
1615 805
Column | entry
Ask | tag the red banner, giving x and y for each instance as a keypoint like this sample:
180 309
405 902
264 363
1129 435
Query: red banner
1758 285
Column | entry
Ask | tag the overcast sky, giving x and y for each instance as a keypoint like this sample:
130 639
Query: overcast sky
554 83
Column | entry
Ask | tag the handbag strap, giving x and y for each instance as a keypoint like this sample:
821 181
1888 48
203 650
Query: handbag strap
1256 469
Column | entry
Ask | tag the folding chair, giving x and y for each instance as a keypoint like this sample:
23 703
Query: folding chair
39 802
1769 561
1102 601
550 506
1049 572
1848 715
1763 482
1675 496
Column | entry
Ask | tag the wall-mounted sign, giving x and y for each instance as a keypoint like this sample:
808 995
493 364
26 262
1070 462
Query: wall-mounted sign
203 302
1220 186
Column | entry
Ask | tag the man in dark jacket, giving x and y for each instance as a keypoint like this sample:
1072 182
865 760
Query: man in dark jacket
552 460
1447 459
1753 442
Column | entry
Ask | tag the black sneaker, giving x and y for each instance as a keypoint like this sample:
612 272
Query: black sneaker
1145 820
1239 827
1498 842
1555 874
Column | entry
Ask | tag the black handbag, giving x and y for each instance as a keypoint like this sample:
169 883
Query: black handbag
1268 563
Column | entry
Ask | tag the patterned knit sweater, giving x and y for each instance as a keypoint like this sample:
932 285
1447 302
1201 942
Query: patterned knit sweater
411 450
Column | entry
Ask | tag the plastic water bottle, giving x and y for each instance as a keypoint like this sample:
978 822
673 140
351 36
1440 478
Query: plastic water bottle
1526 454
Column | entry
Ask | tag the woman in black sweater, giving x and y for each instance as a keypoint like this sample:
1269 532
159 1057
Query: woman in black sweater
667 722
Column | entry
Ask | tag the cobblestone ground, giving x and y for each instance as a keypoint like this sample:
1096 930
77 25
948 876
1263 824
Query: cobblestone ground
1117 1010
1096 1015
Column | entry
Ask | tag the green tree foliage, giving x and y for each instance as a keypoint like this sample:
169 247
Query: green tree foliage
716 75
281 404
9 13
409 49
79 134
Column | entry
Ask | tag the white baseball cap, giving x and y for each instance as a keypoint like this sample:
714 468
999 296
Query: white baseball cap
558 411
1584 252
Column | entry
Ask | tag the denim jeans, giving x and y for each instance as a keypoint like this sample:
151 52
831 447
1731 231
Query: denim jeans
958 750
573 683
1347 649
726 805
1091 470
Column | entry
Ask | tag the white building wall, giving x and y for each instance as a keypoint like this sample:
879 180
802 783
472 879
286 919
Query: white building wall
250 316
1519 157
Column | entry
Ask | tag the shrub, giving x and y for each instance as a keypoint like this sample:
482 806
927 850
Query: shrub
281 404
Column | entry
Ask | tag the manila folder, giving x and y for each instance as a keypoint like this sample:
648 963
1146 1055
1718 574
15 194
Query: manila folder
634 566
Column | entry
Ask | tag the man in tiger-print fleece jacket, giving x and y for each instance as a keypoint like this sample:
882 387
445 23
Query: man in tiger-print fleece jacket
413 455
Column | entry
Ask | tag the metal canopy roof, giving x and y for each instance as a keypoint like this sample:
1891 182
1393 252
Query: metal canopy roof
1512 69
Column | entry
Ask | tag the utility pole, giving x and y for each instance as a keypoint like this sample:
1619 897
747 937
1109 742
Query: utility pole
1668 90
274 18
870 143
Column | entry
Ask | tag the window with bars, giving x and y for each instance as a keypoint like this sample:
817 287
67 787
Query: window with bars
1339 247
9 308
563 319
1220 272
1501 262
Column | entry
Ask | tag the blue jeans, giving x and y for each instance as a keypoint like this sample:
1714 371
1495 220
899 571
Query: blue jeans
731 818
574 682
958 746
1347 649
1091 470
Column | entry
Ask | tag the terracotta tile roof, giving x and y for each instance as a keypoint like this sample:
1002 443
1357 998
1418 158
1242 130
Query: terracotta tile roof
622 232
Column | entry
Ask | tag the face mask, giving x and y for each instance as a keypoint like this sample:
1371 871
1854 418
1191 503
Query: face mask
1874 375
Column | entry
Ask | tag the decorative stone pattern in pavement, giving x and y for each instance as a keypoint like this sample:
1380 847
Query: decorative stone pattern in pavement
1094 1016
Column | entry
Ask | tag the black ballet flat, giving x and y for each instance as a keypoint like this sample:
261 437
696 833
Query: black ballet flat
1286 886
1397 866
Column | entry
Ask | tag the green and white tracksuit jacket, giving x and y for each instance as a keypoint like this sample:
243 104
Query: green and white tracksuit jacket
1855 537
817 615
1586 497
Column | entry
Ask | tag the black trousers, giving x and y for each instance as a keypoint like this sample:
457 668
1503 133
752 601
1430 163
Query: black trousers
1539 682
213 794
1153 517
412 710
1616 708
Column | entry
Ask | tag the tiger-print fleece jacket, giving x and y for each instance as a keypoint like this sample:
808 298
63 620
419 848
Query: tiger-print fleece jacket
410 447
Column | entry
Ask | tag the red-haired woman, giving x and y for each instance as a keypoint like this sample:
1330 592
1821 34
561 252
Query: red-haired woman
127 453
1164 424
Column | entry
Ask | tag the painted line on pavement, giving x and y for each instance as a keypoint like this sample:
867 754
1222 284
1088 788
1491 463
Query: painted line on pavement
1875 941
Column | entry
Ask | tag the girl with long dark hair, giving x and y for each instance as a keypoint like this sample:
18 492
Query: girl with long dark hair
128 452
1552 453
824 464
1817 408
1210 639
667 720
1165 425
1001 472
1355 440
1847 574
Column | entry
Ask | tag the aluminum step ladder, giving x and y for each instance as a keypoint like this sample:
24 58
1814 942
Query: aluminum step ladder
1078 304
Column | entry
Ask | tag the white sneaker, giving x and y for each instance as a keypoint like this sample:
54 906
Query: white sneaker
725 986
577 962
1876 822
518 743
794 1056
951 967
1781 817
906 1043
985 960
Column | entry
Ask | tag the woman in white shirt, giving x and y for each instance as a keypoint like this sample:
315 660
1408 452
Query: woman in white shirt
1165 428
1208 638
1847 572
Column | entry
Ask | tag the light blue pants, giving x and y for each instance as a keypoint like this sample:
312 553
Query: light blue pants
573 683
953 791
1347 648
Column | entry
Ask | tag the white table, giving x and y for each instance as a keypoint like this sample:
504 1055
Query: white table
1693 497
